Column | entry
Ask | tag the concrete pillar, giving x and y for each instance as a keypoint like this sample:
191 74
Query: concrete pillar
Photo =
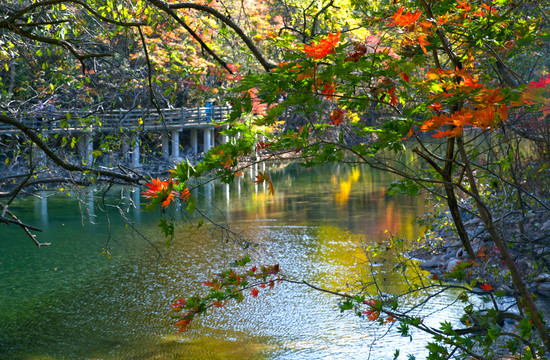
208 194
90 147
165 146
91 205
255 172
239 180
225 138
227 194
125 148
207 139
194 141
136 199
213 137
175 144
86 148
135 150
44 208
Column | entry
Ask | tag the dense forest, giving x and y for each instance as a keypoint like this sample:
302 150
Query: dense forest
462 85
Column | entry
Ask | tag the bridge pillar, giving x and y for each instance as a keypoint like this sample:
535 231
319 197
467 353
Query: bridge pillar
225 138
207 139
175 144
165 146
125 147
194 141
135 150
86 148
213 136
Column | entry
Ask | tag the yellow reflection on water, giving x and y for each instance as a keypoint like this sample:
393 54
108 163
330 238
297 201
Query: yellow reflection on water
347 265
344 184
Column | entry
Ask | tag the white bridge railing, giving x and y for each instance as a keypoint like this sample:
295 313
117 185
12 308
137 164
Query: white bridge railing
120 120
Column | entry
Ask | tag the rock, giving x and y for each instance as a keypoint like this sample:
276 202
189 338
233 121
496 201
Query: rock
448 255
451 264
545 226
430 263
479 230
542 278
472 222
450 244
544 287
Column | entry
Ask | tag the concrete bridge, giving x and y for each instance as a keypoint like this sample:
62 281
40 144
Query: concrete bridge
179 129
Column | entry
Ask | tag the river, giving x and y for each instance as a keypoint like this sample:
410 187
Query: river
66 301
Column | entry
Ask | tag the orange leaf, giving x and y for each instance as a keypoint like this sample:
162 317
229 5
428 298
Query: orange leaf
323 47
409 134
263 176
328 90
464 6
184 194
422 41
407 19
453 132
436 106
160 189
337 116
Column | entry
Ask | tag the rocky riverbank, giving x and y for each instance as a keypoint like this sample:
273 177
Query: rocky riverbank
528 240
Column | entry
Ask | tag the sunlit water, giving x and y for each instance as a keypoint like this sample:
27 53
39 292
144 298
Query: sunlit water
66 301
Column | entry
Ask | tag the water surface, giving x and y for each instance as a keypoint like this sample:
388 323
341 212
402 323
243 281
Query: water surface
66 301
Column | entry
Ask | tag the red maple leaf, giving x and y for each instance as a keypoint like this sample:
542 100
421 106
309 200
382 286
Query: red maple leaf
542 83
323 47
263 176
337 116
422 41
464 6
254 292
407 19
328 90
184 194
160 189
486 287
436 106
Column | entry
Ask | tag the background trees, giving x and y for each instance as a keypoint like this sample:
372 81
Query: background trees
85 57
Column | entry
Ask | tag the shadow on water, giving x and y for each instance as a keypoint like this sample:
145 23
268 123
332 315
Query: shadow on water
67 302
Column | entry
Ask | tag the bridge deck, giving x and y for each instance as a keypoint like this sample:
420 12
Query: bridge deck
121 120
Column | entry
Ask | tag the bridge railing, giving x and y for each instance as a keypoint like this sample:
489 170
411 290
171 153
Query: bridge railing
120 120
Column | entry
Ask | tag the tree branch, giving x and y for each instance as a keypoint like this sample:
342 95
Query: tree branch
249 43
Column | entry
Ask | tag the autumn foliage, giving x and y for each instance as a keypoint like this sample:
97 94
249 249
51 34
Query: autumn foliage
322 48
230 285
445 69
164 192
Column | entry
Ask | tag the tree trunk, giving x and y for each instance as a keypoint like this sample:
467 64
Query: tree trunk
500 243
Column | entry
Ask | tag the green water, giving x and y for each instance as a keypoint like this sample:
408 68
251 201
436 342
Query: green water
66 301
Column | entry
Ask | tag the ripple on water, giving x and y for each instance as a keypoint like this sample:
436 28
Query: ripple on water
95 308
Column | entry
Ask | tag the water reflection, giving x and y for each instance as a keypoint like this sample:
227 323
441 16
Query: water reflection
65 301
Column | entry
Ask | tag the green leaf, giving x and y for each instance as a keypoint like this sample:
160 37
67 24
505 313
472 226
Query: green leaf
396 355
243 261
